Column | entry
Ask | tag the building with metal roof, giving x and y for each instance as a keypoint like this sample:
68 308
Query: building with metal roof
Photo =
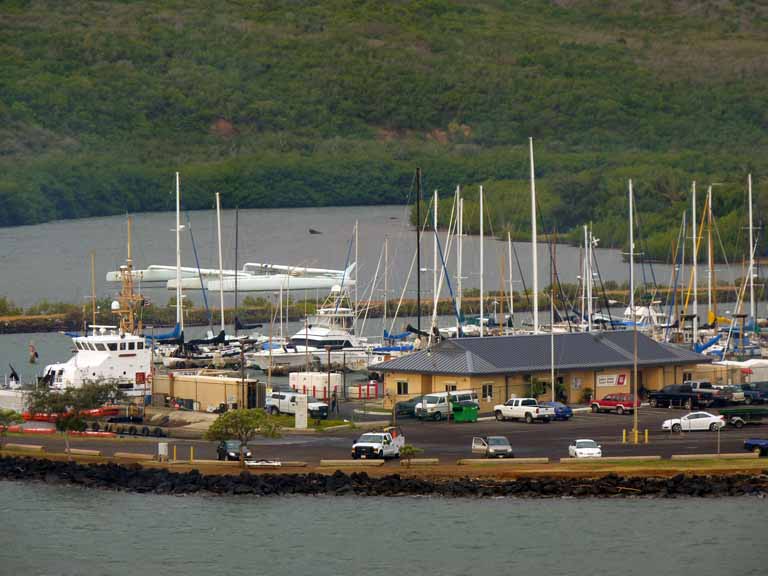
499 367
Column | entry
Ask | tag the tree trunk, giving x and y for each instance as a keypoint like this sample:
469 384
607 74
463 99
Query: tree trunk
242 455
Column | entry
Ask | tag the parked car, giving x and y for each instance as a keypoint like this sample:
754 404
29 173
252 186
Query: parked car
694 421
527 409
585 448
492 447
407 407
751 394
619 403
384 444
757 445
731 394
285 403
562 412
682 395
230 450
437 405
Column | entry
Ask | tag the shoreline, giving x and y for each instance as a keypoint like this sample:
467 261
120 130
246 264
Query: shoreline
160 480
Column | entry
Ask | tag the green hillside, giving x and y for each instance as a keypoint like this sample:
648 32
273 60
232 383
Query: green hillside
294 103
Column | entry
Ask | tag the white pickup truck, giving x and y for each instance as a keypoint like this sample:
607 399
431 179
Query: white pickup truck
285 403
527 409
384 444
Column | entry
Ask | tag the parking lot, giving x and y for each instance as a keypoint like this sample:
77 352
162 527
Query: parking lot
450 441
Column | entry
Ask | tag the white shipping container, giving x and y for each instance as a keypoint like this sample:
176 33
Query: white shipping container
316 384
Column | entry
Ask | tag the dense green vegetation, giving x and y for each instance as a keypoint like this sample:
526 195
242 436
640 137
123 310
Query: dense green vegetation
306 102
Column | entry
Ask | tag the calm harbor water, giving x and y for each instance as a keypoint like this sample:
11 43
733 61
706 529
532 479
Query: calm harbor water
51 261
74 531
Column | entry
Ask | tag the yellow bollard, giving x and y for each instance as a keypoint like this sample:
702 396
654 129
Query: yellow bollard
191 453
624 436
646 435
635 436
174 452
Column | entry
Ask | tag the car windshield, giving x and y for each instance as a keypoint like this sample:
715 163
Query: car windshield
586 444
432 399
232 445
370 438
497 441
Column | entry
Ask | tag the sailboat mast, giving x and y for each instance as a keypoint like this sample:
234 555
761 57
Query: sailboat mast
632 254
590 304
237 238
534 258
482 257
459 256
179 310
418 249
93 288
434 255
221 259
511 289
386 273
751 254
693 264
552 321
357 266
709 254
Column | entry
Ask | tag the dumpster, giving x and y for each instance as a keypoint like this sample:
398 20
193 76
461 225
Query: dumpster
464 412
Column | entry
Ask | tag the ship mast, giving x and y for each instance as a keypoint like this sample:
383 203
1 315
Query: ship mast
127 300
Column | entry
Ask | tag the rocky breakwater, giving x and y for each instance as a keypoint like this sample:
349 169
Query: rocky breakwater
134 478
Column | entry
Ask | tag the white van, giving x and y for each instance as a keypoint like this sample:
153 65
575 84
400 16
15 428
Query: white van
437 406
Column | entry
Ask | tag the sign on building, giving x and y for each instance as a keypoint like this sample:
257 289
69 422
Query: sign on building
611 380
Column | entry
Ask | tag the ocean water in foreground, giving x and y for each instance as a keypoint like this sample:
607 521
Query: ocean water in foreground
62 530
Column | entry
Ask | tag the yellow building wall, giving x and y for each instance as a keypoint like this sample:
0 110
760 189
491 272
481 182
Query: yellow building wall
207 391
601 382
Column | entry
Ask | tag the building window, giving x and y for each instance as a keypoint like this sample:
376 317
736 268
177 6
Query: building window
450 386
687 376
402 387
488 391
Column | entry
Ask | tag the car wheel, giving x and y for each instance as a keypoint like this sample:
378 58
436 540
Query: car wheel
739 424
437 416
620 410
714 427
528 418
757 450
654 403
747 400
676 428
273 410
595 409
499 416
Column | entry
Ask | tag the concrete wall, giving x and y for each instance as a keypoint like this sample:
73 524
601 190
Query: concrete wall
13 400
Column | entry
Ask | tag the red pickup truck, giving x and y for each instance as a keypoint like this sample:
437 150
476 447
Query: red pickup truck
619 403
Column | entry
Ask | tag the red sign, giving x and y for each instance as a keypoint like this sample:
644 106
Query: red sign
621 379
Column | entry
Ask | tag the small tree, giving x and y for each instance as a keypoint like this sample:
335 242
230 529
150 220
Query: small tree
7 417
408 452
68 404
243 425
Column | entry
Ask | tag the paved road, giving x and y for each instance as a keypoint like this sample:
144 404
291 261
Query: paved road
451 441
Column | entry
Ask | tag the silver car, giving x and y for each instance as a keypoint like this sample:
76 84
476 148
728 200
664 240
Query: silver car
492 447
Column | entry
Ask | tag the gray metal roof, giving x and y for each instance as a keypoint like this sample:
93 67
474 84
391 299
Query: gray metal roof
531 353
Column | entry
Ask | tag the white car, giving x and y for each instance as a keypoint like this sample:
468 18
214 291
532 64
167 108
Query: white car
585 448
694 421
